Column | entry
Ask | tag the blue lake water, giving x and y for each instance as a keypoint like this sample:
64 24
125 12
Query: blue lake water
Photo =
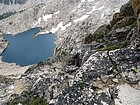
24 49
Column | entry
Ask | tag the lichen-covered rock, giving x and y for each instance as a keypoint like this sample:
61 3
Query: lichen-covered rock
84 93
98 64
125 22
127 61
98 34
88 67
127 9
6 88
96 84
116 17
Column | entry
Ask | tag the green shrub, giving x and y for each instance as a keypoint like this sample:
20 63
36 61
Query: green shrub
32 101
125 22
111 47
12 102
37 101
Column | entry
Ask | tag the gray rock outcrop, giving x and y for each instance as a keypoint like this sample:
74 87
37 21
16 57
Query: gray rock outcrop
96 60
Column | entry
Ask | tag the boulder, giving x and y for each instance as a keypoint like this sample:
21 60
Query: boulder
125 22
127 9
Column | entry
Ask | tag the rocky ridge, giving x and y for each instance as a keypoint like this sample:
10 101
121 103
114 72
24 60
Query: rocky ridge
9 6
50 17
69 20
104 69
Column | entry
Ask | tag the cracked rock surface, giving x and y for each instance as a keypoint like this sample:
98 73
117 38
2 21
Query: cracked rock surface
96 60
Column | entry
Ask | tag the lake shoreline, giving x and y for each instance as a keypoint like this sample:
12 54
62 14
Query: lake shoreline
9 69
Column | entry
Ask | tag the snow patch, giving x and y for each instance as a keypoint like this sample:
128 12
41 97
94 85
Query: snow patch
56 12
44 32
95 9
67 25
102 15
37 22
104 103
81 18
74 10
60 26
100 8
37 81
90 0
8 32
52 101
46 17
83 0
11 87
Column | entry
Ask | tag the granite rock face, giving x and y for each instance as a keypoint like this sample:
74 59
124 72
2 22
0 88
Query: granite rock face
8 6
69 20
95 62
10 2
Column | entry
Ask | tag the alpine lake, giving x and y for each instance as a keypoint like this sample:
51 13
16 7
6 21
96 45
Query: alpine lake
25 49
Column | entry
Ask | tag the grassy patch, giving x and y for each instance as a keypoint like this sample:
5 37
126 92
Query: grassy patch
125 22
37 101
112 47
32 101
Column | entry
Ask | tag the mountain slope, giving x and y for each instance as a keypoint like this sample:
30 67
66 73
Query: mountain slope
96 60
7 6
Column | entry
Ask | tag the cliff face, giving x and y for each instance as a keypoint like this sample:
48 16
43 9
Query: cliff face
96 60
7 6
69 20
10 2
